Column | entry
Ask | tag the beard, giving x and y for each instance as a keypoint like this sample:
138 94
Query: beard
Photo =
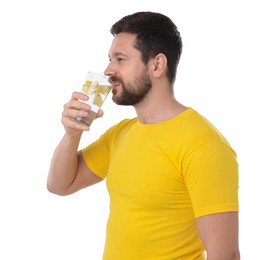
132 93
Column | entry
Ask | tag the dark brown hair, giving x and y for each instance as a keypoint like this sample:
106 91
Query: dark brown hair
155 33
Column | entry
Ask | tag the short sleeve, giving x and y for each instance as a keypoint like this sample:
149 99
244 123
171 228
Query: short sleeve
97 155
211 176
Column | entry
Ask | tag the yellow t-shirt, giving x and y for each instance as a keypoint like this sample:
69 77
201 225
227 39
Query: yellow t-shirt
160 177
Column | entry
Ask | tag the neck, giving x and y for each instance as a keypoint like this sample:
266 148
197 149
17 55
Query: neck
158 107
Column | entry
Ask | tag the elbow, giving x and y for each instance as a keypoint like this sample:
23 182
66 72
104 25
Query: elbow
224 255
54 190
236 255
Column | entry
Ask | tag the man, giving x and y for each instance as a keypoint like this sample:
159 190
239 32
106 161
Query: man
171 176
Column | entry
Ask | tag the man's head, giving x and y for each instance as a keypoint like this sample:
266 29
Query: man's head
155 33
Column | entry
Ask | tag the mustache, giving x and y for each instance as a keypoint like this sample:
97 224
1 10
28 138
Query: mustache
113 79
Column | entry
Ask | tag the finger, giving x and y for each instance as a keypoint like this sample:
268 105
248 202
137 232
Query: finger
73 126
74 113
100 113
76 105
79 95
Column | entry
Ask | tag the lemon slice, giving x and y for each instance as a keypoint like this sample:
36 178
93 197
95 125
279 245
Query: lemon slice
86 86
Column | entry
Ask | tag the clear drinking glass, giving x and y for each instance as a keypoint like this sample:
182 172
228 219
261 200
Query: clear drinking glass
97 87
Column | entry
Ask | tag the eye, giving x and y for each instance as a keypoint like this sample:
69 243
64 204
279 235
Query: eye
119 59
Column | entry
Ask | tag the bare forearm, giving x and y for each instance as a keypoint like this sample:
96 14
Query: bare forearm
64 165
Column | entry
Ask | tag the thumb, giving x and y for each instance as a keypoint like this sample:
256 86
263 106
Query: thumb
100 113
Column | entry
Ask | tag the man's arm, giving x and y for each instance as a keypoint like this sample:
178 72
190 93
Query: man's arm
68 171
219 233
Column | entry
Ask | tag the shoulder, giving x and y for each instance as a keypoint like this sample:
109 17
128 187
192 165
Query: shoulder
199 130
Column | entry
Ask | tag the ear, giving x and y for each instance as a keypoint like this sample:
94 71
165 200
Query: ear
159 65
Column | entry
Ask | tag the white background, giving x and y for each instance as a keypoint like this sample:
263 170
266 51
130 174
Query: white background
229 72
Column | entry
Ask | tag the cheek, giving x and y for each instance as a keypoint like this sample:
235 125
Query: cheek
132 73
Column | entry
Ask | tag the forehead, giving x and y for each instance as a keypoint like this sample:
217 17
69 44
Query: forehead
123 44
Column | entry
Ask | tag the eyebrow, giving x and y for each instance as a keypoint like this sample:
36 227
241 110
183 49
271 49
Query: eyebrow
118 54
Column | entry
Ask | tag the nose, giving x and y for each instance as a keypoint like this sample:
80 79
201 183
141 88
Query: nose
109 71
